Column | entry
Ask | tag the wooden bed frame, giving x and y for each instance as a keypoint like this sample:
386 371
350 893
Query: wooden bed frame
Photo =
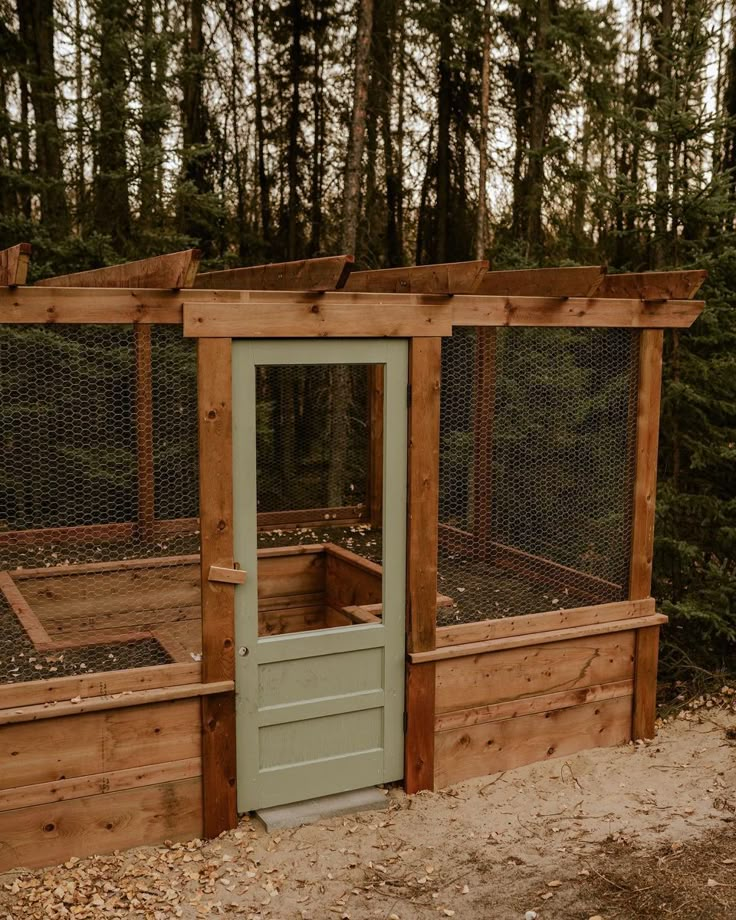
109 760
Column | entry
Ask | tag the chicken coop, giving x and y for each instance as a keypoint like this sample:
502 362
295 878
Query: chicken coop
273 533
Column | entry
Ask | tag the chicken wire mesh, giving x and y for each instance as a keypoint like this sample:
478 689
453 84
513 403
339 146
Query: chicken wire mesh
98 500
313 436
537 458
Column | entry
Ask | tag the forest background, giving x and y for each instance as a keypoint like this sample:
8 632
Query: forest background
538 132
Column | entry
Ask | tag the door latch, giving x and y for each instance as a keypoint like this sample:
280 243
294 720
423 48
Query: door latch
230 576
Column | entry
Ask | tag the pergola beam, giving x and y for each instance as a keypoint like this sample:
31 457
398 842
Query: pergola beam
14 264
574 281
172 271
443 278
653 285
323 274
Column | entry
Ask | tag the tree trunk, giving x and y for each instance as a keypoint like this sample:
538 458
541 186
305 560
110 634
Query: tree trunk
317 178
663 46
264 181
485 93
36 19
112 207
195 125
438 253
538 125
351 194
293 203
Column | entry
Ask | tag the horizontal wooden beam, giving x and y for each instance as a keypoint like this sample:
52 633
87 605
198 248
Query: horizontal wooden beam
653 285
574 281
532 623
14 264
445 278
540 638
480 310
77 787
548 702
366 312
107 683
317 319
121 700
174 270
323 274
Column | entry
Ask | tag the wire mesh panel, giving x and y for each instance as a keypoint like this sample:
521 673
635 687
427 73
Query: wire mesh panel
98 500
536 471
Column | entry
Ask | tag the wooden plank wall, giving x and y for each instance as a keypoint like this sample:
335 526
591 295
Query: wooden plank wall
99 781
502 709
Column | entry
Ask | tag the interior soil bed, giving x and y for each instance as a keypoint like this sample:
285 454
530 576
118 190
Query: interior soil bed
479 591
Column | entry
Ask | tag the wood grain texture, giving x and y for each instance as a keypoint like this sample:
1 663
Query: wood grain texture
139 305
493 747
106 683
511 709
575 281
51 833
645 682
444 278
419 743
319 318
219 773
100 784
680 285
482 310
484 630
425 356
59 709
645 475
214 379
512 674
174 270
14 264
98 742
540 638
323 274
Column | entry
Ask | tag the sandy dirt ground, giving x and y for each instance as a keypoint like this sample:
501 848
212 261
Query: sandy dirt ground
646 830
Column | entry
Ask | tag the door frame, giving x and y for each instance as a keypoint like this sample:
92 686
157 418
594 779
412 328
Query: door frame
263 789
214 388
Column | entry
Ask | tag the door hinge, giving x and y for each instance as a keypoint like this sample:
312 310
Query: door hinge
406 721
408 396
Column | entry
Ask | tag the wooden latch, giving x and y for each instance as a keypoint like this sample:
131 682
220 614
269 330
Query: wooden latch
234 576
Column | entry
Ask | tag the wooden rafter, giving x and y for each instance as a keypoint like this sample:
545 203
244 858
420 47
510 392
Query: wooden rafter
653 285
172 271
576 281
14 264
445 278
324 274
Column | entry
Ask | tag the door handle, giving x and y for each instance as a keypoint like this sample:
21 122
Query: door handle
234 576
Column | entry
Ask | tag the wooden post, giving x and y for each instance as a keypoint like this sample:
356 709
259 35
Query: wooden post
214 376
422 538
374 498
642 538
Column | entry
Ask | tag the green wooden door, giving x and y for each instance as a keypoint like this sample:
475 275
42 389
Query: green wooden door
319 711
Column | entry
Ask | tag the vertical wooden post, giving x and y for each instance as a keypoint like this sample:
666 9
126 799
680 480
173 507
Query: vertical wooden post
642 539
214 386
144 431
422 537
375 445
485 397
